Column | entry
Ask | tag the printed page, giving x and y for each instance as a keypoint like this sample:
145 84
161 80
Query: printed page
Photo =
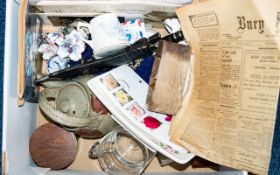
228 116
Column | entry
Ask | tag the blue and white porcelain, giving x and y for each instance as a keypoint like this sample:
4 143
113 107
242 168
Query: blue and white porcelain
55 64
59 49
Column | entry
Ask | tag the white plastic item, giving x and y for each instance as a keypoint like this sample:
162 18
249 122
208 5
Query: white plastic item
19 123
172 25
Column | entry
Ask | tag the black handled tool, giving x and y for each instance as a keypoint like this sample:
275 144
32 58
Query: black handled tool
140 49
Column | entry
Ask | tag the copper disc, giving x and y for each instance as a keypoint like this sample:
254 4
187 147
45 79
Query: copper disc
53 147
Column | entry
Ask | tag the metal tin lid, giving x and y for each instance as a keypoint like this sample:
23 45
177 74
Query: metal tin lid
72 105
73 101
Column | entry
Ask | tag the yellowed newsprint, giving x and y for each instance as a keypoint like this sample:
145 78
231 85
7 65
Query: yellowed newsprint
229 113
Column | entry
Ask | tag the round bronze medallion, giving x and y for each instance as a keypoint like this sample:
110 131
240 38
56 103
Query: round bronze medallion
53 147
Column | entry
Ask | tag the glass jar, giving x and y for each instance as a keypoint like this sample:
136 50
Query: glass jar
121 154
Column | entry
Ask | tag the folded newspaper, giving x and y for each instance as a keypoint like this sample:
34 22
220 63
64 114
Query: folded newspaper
124 93
229 113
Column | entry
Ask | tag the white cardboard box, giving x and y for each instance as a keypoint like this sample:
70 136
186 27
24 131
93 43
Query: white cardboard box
20 122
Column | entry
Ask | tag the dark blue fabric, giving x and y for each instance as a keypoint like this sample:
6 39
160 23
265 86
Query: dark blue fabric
274 168
143 67
2 38
87 54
